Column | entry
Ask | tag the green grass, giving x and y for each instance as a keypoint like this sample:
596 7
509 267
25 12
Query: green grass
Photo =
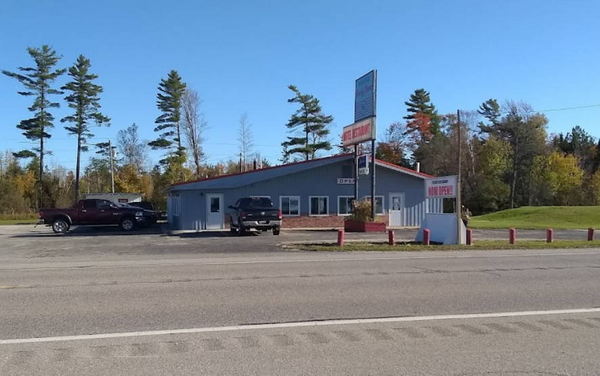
25 221
479 245
540 217
18 218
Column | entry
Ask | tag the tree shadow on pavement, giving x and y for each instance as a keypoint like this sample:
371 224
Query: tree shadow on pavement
87 231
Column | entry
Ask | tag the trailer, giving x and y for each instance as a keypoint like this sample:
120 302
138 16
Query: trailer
119 198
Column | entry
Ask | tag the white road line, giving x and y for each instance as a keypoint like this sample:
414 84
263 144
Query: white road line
297 325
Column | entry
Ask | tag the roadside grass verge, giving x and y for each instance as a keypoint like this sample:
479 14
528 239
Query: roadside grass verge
408 247
26 221
18 218
540 217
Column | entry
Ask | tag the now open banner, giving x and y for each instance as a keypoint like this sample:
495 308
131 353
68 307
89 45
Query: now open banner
441 187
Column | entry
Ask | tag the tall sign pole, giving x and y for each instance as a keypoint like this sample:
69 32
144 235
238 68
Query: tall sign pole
363 128
458 176
373 206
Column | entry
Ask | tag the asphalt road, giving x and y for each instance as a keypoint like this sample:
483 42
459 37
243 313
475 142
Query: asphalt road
202 292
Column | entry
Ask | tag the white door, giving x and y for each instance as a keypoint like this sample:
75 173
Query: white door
396 209
214 211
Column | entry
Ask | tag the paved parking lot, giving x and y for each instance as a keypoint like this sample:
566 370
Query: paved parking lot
28 243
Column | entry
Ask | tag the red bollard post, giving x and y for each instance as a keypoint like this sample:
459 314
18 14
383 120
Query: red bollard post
340 241
469 236
512 236
426 236
590 234
549 235
391 237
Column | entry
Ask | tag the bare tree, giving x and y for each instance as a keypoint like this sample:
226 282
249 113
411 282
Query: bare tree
193 125
132 148
245 140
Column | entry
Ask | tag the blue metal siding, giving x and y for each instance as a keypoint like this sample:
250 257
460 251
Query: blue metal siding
317 181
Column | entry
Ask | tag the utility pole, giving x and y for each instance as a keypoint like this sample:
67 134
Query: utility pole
112 166
458 182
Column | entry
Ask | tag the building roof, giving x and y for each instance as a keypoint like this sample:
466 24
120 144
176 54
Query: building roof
253 176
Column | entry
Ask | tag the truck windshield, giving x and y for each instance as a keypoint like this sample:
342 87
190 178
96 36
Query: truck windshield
257 202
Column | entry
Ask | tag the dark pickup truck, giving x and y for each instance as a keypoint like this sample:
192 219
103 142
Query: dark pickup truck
97 212
255 213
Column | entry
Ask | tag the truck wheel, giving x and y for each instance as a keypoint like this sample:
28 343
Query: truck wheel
127 224
276 231
60 226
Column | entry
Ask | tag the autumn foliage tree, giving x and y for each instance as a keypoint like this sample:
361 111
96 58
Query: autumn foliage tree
422 120
394 147
562 176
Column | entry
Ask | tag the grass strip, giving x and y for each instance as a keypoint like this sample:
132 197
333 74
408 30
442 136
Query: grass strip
25 221
540 217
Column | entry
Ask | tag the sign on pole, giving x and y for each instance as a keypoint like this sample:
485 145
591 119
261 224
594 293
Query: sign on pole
358 132
365 96
441 187
363 165
363 129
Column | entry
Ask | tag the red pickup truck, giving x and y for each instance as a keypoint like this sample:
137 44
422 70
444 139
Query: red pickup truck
97 212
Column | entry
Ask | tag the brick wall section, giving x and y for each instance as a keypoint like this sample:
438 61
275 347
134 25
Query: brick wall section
331 221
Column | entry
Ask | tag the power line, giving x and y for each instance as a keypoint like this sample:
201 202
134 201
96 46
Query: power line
570 108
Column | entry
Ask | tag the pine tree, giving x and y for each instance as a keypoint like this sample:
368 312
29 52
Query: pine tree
490 110
310 120
169 102
422 115
84 98
37 81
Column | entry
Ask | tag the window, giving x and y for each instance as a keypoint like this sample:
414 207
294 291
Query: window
215 204
378 203
256 202
289 205
89 204
318 205
104 204
345 205
396 202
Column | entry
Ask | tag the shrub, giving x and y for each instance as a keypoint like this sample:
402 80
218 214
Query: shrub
361 211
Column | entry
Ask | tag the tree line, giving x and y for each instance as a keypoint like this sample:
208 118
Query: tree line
123 164
509 160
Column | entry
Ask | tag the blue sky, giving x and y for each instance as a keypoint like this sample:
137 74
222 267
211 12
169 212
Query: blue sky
241 56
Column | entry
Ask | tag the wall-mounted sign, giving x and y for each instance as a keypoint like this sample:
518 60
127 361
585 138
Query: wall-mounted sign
442 187
363 164
356 133
365 96
345 180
